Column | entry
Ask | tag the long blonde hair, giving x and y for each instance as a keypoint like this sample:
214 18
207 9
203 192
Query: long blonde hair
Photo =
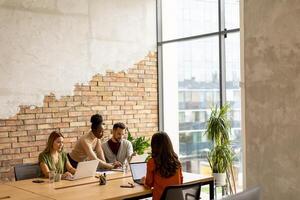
53 136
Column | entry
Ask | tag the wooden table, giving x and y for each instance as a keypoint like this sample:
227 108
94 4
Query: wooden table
89 188
12 193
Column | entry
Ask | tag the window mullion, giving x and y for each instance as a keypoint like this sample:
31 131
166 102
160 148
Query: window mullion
222 61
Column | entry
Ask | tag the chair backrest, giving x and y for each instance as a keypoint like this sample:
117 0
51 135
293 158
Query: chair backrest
249 194
188 191
27 171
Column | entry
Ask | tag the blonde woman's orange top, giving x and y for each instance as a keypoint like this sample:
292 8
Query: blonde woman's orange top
153 179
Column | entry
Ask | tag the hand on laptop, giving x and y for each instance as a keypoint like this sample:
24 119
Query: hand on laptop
143 179
67 175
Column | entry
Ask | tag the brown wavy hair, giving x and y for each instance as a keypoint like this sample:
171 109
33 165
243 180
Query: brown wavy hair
166 160
53 136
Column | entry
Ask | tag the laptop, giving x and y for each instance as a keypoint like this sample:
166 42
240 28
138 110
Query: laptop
85 169
138 171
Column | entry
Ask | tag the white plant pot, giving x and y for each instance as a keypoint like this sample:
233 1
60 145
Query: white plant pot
220 179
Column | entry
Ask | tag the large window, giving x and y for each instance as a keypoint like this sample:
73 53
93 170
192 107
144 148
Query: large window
199 65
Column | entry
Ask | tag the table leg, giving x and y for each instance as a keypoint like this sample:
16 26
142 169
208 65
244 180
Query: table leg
211 190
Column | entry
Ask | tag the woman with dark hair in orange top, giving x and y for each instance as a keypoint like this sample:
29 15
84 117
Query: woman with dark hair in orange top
164 168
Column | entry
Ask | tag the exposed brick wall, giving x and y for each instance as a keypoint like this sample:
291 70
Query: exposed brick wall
127 97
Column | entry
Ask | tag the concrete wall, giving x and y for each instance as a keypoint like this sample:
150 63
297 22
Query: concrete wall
50 45
272 96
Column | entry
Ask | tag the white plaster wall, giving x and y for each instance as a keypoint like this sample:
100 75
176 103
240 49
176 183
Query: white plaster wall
50 45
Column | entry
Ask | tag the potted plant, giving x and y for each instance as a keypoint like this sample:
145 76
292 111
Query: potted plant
220 157
139 144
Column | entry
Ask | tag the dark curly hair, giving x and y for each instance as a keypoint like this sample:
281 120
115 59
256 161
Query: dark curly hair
96 121
166 160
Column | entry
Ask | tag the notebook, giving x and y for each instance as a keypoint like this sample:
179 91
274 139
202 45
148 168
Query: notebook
85 169
138 171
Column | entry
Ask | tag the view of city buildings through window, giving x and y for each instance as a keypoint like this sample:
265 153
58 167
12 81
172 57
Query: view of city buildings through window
200 40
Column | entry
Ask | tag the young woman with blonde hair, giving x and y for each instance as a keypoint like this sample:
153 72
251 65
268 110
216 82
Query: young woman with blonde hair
53 158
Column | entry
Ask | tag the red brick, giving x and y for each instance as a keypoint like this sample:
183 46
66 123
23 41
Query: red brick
3 134
11 151
67 98
4 146
60 114
103 84
29 149
113 107
41 137
133 121
30 160
27 127
73 139
109 79
17 133
53 120
34 121
98 88
93 83
106 93
109 98
61 125
68 130
105 112
137 107
40 132
130 84
118 103
74 103
2 122
65 109
5 169
89 93
34 154
84 118
13 122
7 128
72 124
26 139
105 103
75 114
6 157
26 116
33 110
20 156
57 104
112 89
127 116
130 103
135 99
124 98
43 115
82 108
45 126
91 103
28 144
82 87
8 140
144 111
50 110
117 84
69 119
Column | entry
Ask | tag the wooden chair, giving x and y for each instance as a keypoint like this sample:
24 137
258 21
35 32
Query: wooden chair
27 171
190 191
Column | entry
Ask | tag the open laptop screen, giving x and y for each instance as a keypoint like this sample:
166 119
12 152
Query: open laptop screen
138 170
